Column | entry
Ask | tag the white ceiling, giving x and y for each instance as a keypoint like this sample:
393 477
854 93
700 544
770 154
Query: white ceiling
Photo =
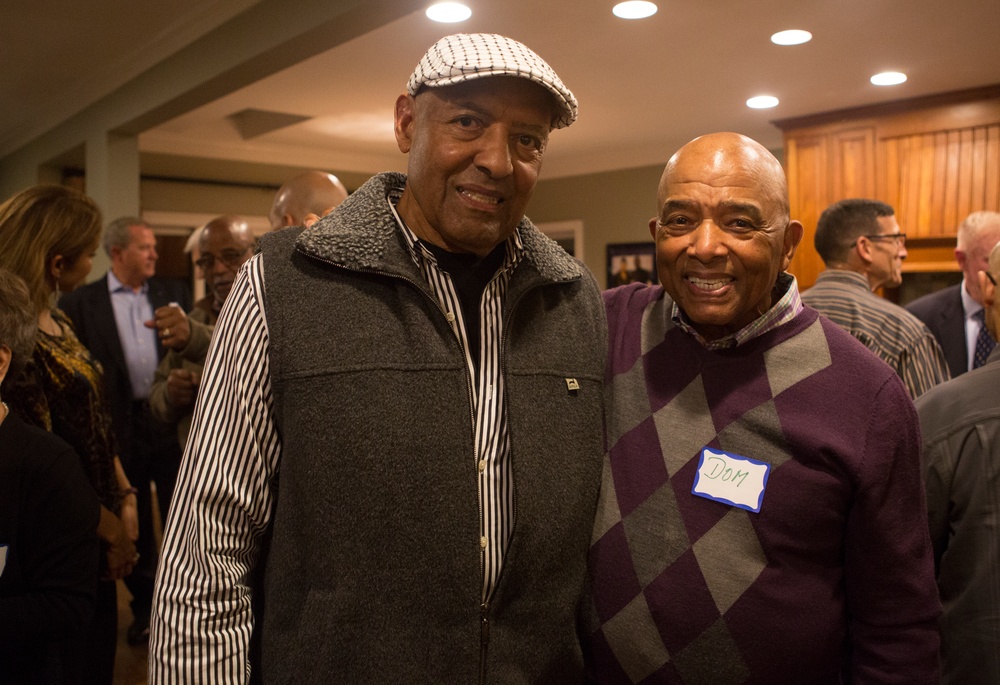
645 87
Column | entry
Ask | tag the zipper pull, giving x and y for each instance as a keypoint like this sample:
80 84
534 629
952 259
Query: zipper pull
485 625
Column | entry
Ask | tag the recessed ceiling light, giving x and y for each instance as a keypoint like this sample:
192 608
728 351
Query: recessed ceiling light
791 37
448 12
634 9
762 102
888 78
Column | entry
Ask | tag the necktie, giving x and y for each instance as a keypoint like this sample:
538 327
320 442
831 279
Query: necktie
984 341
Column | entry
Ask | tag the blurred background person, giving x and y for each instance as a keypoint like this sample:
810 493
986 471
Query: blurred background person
112 318
49 550
960 422
224 244
49 235
305 199
863 249
955 314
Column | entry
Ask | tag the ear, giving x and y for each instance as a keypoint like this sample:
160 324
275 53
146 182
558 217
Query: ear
403 125
793 236
987 288
960 258
5 357
652 228
56 266
863 247
310 219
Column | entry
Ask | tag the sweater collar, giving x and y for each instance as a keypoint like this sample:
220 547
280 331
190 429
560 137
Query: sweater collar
362 234
786 308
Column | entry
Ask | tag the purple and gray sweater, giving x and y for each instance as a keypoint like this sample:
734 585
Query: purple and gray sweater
832 581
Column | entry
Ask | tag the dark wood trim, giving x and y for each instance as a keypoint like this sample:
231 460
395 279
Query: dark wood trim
930 242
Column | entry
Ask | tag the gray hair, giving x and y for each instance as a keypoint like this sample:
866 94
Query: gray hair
973 226
117 235
18 320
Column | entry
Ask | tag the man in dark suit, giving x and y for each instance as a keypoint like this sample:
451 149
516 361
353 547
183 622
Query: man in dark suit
955 314
112 319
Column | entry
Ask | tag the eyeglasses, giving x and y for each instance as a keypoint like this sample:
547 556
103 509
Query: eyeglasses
231 258
990 276
900 238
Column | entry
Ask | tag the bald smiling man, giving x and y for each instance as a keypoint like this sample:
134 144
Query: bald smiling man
305 199
761 516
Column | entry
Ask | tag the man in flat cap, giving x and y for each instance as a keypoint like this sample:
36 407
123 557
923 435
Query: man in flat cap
424 370
761 513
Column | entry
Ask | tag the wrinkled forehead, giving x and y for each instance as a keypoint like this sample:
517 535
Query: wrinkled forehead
219 238
140 233
494 92
727 175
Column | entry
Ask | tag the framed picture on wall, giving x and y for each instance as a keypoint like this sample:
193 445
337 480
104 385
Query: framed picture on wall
631 263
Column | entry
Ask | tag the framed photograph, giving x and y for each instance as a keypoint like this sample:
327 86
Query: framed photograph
631 263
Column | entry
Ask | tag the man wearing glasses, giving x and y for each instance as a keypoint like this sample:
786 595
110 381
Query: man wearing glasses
863 249
225 243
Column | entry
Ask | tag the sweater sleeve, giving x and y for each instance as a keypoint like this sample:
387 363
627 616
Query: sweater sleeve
159 400
201 336
892 598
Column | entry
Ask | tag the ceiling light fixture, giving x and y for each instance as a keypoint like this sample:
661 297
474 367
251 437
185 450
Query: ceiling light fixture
762 102
448 12
791 37
634 9
889 78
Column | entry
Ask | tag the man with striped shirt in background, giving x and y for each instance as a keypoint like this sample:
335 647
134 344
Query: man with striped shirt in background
863 248
394 463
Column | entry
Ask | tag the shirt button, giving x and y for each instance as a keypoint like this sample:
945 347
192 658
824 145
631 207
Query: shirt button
482 542
450 317
482 464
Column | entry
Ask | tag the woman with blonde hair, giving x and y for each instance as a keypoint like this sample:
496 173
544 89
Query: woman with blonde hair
49 549
48 237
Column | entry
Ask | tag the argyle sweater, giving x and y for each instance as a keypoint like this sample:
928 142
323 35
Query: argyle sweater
832 580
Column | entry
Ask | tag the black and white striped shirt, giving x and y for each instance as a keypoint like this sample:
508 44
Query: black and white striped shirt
202 617
496 489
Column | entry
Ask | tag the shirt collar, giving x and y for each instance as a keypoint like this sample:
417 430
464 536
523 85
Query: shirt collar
969 306
116 286
846 276
419 253
784 310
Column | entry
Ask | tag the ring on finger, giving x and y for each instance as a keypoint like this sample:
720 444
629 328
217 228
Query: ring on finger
166 332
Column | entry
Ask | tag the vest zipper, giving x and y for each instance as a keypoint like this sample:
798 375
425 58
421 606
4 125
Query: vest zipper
484 624
484 641
484 632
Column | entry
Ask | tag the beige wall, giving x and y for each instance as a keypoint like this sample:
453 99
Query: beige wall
615 207
204 198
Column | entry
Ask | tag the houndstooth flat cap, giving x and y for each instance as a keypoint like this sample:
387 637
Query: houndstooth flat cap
466 56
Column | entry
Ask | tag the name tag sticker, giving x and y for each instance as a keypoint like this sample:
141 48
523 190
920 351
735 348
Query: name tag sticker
731 479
